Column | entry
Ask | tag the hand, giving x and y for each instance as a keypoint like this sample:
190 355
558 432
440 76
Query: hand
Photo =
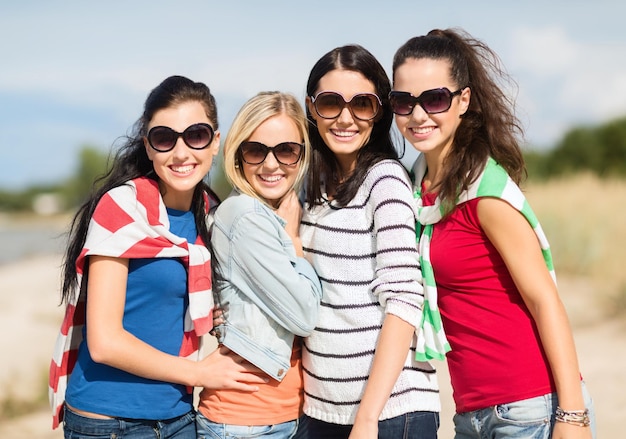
218 318
563 430
291 211
364 430
224 369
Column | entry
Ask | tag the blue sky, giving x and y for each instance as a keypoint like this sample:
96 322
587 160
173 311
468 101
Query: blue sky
77 72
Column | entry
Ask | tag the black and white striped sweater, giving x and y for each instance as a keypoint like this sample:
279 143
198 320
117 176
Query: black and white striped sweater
366 257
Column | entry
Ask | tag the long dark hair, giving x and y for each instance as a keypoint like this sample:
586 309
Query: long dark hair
324 165
131 161
490 126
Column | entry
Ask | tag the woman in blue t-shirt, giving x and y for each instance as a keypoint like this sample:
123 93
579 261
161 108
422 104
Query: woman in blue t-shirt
137 282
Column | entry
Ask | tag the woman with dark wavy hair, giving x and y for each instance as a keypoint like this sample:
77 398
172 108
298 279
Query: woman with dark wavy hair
137 282
361 378
486 262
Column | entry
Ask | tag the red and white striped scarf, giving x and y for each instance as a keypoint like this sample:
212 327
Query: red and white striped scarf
131 221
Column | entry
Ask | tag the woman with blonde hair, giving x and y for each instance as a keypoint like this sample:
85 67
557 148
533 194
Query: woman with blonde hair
268 293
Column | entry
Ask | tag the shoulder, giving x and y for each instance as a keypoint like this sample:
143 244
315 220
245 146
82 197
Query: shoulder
240 208
391 170
233 207
387 177
129 196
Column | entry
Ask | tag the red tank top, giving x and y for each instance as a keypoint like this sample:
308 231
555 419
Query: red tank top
496 354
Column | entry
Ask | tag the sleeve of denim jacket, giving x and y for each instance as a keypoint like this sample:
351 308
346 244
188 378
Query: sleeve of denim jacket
266 269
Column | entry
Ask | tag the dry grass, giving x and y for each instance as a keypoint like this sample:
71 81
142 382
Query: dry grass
584 218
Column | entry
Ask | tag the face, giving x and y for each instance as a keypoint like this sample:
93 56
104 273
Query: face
345 134
181 168
271 180
429 133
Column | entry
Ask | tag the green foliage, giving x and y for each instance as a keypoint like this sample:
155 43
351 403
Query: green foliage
92 164
22 200
601 150
536 165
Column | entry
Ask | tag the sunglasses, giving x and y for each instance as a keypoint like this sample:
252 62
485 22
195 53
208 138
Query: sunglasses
196 136
286 153
363 106
437 100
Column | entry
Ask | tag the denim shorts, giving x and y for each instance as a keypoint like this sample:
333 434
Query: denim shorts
531 418
76 426
207 429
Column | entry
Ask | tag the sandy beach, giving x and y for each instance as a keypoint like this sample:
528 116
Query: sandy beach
30 318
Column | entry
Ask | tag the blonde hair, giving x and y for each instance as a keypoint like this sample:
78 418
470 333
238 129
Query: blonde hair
253 113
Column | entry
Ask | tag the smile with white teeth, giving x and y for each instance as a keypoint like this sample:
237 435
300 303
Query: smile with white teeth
423 130
270 178
182 169
339 133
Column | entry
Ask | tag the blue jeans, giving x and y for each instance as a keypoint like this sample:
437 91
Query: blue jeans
76 426
207 429
418 425
531 418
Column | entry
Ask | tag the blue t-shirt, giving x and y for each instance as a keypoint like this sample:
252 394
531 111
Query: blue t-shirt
156 301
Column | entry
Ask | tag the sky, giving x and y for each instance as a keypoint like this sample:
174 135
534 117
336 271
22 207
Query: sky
75 73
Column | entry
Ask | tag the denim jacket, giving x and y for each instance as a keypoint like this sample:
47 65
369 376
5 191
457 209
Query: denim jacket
267 293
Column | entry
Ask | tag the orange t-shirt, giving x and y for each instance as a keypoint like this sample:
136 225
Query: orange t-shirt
274 403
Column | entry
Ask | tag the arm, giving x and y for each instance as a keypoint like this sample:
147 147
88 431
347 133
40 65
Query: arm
391 351
283 285
517 243
399 289
109 343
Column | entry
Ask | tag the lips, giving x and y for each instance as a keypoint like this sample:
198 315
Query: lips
422 130
182 169
344 133
270 178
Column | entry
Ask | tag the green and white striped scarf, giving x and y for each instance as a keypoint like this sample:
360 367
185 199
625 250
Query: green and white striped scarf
492 182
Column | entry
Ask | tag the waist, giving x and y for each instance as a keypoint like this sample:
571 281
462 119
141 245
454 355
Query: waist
275 402
266 348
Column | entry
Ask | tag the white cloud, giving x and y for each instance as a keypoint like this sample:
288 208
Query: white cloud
566 79
545 51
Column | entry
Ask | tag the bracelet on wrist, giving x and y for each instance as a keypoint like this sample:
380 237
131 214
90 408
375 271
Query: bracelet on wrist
579 418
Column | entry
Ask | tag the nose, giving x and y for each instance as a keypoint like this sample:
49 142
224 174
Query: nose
345 116
270 161
180 148
419 114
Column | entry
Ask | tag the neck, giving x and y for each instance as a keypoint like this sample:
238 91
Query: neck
434 169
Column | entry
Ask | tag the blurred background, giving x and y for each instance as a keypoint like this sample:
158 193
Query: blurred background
75 74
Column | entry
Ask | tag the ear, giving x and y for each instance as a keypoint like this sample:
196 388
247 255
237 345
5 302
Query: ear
464 100
149 150
216 140
309 104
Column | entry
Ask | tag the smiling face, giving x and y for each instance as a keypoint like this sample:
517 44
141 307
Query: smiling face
344 135
270 179
429 133
181 168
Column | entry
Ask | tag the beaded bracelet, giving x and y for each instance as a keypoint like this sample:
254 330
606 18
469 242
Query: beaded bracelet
579 418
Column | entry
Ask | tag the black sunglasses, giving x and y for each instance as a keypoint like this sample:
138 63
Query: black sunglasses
437 100
330 104
286 153
196 136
